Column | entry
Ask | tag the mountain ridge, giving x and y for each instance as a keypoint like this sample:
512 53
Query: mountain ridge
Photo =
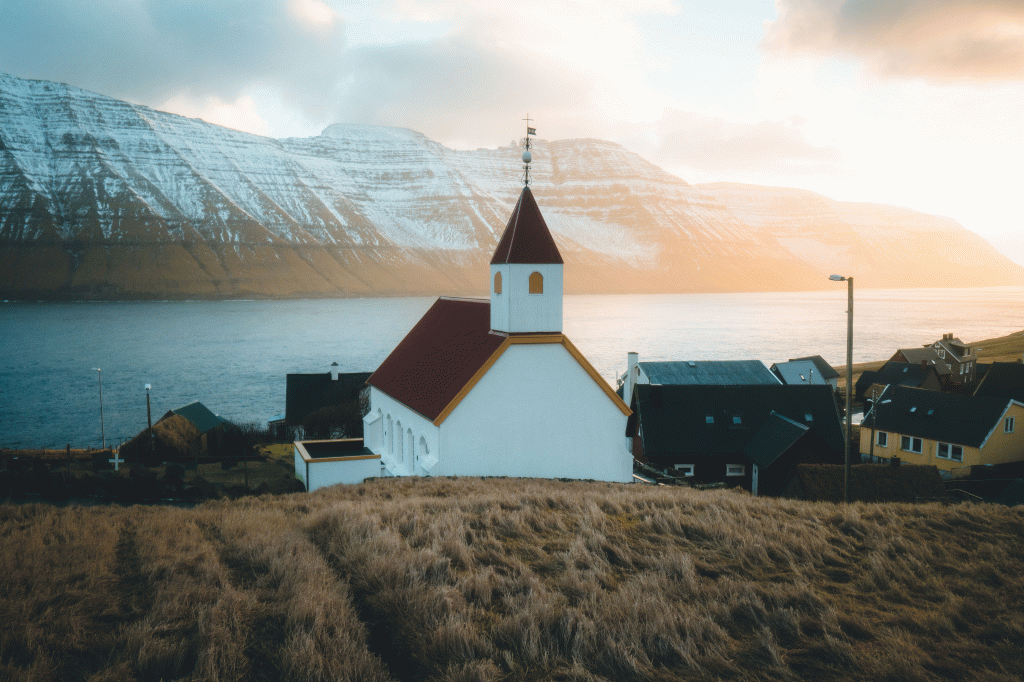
101 198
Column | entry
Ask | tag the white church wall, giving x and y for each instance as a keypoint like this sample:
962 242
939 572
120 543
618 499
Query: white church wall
512 424
413 450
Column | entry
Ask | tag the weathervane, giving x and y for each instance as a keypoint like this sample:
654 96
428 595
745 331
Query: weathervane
527 156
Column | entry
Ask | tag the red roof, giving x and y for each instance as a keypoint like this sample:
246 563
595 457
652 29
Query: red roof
439 356
526 238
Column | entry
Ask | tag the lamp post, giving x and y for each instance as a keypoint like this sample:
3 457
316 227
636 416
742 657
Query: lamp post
103 432
149 420
849 378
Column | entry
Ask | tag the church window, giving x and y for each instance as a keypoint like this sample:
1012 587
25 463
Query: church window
536 283
401 442
497 282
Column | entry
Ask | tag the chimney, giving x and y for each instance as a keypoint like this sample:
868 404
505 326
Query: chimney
334 371
631 374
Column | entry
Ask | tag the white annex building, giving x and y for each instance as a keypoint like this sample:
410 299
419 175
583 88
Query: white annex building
494 388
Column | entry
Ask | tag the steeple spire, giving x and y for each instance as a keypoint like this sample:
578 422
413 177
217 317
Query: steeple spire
527 156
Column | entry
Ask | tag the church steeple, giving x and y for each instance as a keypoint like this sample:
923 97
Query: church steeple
526 238
526 270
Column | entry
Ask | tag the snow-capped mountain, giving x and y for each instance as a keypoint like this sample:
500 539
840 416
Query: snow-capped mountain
100 198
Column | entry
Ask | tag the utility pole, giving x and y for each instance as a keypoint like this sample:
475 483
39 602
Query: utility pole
849 379
103 433
873 417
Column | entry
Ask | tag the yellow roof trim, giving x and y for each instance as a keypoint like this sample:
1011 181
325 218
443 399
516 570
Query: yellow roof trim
533 338
585 364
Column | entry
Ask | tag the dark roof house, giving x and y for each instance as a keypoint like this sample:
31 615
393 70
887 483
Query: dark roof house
824 369
927 355
798 372
714 431
944 417
708 373
900 374
306 394
1003 380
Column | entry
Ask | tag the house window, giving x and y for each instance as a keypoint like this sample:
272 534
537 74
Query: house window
882 439
710 419
497 282
808 417
735 469
737 420
910 444
942 354
536 283
950 451
684 469
1008 425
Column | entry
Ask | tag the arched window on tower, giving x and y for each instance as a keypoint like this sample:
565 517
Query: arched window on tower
536 283
497 282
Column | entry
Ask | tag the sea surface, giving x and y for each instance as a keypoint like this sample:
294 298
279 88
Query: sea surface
234 355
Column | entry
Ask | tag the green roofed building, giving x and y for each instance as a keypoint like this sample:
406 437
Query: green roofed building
209 425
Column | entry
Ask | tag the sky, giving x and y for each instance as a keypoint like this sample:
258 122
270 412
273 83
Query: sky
918 103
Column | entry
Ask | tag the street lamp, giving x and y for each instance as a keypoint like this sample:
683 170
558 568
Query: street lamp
149 420
849 378
103 433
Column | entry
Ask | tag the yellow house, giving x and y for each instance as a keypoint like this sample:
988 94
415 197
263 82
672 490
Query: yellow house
946 430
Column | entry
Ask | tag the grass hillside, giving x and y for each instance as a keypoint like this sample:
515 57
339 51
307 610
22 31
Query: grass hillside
469 579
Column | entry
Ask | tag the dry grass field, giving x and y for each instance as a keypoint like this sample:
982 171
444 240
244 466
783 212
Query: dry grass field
470 579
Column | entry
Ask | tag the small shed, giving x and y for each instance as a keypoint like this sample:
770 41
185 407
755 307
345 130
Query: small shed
320 463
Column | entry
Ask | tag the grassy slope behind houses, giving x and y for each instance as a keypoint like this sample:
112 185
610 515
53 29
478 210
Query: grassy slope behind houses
470 579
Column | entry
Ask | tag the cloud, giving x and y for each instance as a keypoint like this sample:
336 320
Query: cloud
450 69
151 51
708 143
458 90
937 40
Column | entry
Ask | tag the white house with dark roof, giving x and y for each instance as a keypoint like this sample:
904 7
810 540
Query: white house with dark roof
493 387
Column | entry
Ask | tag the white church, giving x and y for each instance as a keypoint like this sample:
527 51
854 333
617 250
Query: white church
493 387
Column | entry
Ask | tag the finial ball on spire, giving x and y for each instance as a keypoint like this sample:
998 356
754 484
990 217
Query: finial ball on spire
527 156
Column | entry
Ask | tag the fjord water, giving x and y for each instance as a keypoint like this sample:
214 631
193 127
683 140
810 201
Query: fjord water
234 355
